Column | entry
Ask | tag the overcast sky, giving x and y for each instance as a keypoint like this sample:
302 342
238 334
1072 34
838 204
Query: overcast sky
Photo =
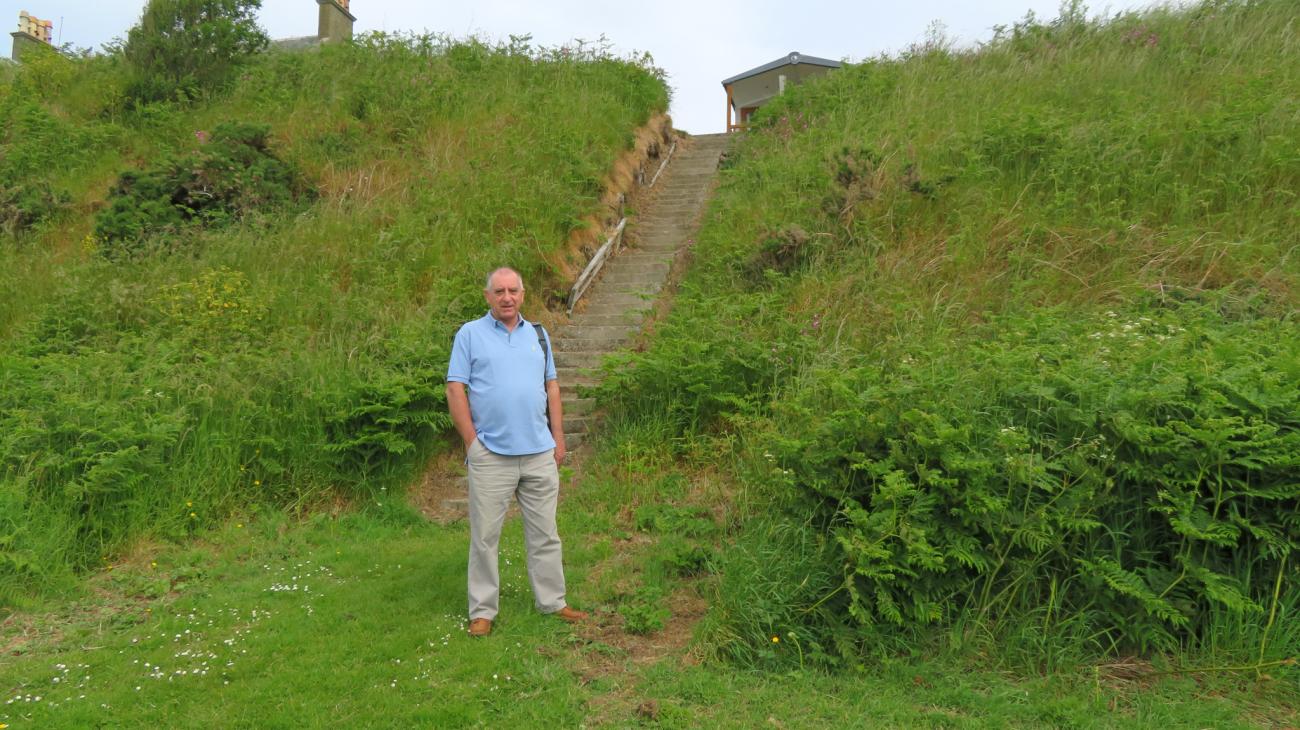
698 42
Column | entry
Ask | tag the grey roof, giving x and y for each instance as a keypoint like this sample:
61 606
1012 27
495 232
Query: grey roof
794 57
299 43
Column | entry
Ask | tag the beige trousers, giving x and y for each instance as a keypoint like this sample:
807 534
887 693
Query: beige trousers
534 481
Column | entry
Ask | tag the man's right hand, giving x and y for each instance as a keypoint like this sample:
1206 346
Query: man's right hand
458 404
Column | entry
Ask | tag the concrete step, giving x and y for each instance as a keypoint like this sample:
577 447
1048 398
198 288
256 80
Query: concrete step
574 390
673 208
657 235
611 298
596 342
581 329
577 424
659 229
643 291
694 195
576 376
579 406
667 246
636 256
652 278
597 309
625 320
645 272
659 232
579 358
592 345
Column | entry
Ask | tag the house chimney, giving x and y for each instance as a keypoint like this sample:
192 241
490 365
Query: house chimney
32 33
335 21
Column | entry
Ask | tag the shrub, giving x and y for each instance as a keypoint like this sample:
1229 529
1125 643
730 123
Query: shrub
233 175
23 206
1138 469
182 48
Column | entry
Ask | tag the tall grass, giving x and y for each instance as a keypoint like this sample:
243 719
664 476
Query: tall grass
1013 330
282 359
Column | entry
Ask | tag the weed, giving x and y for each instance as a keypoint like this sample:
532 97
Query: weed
644 612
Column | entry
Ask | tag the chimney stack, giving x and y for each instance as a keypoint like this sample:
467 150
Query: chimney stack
32 33
335 21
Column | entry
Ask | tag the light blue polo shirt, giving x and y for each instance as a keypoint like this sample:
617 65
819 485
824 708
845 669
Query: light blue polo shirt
507 395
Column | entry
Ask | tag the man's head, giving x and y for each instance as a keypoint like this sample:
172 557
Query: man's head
504 292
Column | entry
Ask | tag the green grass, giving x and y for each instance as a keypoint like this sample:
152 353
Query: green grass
294 355
1004 341
979 397
357 618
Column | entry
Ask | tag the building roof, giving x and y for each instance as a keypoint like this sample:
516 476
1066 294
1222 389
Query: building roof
298 43
791 59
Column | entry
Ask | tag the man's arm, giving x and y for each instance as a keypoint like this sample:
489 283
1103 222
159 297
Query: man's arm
458 404
555 417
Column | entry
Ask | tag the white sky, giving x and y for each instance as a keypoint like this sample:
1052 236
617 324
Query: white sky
698 42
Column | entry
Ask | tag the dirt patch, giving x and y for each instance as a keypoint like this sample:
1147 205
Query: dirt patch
606 654
440 494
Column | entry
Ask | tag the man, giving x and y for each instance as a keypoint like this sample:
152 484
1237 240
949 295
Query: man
513 429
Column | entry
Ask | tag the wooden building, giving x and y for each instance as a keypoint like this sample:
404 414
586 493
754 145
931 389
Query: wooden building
747 91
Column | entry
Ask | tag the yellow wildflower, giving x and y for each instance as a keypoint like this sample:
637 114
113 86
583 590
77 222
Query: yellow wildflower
776 640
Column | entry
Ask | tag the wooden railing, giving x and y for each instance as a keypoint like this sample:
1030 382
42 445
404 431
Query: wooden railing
610 247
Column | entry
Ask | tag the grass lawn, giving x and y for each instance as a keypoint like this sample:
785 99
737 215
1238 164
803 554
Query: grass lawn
356 619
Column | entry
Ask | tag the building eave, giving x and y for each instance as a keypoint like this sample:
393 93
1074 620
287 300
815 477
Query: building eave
791 59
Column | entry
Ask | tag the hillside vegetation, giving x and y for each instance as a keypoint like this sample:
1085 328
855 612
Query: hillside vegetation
248 298
1004 342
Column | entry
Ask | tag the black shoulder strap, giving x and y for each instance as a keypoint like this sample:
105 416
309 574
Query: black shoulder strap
546 351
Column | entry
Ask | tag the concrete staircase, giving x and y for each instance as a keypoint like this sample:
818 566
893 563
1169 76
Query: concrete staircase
617 304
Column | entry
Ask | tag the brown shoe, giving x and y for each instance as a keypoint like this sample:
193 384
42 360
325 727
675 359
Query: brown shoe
571 615
480 627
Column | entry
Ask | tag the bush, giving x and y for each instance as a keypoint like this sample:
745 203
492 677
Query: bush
1137 470
24 206
232 176
182 48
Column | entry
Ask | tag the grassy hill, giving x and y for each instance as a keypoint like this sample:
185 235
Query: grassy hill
977 406
156 384
1003 342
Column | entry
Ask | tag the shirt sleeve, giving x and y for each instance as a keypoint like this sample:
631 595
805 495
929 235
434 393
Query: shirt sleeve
458 367
550 361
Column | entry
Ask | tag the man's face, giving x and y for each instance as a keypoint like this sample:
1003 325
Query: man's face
505 296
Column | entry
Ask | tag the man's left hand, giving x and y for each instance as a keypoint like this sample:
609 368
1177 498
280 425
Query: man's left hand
560 451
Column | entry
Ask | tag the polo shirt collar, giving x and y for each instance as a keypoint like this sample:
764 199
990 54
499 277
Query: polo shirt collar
498 323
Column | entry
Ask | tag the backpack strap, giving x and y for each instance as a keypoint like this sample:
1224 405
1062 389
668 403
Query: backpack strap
546 351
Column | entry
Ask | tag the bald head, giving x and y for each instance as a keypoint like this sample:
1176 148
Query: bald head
505 294
487 285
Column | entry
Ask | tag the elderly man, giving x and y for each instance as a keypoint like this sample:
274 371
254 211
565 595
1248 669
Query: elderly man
513 430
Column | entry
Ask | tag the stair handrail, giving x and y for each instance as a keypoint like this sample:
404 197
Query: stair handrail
589 274
667 157
610 246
